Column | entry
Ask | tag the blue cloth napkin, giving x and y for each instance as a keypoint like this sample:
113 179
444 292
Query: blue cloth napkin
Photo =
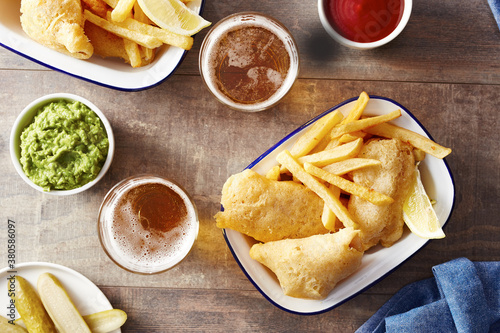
463 296
495 8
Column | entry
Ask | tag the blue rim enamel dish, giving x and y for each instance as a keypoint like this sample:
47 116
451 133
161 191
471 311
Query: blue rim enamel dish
377 262
109 72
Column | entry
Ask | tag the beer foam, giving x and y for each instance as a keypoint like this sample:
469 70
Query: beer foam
238 56
134 246
275 77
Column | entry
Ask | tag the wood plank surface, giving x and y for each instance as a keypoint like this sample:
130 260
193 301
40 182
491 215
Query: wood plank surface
444 68
444 41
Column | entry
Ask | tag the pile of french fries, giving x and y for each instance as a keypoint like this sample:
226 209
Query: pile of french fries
323 156
127 20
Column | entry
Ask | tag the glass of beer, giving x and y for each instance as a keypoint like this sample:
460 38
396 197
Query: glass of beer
249 61
147 224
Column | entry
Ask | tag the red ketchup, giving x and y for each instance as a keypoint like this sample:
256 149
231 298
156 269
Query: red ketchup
364 21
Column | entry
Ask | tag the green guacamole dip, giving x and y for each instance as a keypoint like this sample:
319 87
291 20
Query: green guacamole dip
64 147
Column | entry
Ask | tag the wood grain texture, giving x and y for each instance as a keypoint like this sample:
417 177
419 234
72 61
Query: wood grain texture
226 311
444 71
445 41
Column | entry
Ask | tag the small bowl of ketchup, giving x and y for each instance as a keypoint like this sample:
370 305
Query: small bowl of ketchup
364 24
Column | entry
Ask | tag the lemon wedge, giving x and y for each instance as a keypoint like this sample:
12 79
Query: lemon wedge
418 213
174 16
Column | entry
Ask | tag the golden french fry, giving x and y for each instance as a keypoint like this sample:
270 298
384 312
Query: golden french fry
167 37
133 52
342 167
358 125
274 173
352 136
122 10
322 144
286 159
330 221
358 108
146 53
354 114
139 38
365 193
332 144
314 135
336 154
414 139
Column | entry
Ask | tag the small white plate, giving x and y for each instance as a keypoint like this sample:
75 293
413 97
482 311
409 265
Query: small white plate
377 262
86 296
109 72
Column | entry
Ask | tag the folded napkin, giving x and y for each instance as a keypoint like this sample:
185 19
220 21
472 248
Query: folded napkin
463 296
495 8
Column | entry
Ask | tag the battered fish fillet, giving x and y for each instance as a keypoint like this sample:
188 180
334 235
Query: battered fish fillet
393 177
269 210
57 24
311 267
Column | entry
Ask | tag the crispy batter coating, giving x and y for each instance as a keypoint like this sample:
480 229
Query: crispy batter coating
98 7
57 24
311 267
269 210
393 177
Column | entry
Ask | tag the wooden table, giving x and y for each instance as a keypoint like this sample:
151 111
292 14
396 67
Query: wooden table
444 68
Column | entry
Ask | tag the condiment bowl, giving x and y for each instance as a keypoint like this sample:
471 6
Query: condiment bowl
377 20
26 117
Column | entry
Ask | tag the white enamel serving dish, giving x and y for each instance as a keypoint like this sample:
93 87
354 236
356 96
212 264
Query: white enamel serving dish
109 72
377 262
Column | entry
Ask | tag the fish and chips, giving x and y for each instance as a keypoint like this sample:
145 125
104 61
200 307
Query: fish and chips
58 24
269 210
108 28
357 171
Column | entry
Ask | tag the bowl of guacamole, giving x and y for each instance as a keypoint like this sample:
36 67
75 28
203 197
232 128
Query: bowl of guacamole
61 144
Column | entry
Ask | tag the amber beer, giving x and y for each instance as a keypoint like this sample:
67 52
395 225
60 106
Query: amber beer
249 61
147 224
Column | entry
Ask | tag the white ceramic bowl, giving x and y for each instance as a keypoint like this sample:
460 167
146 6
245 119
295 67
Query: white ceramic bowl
109 72
358 45
377 262
25 118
